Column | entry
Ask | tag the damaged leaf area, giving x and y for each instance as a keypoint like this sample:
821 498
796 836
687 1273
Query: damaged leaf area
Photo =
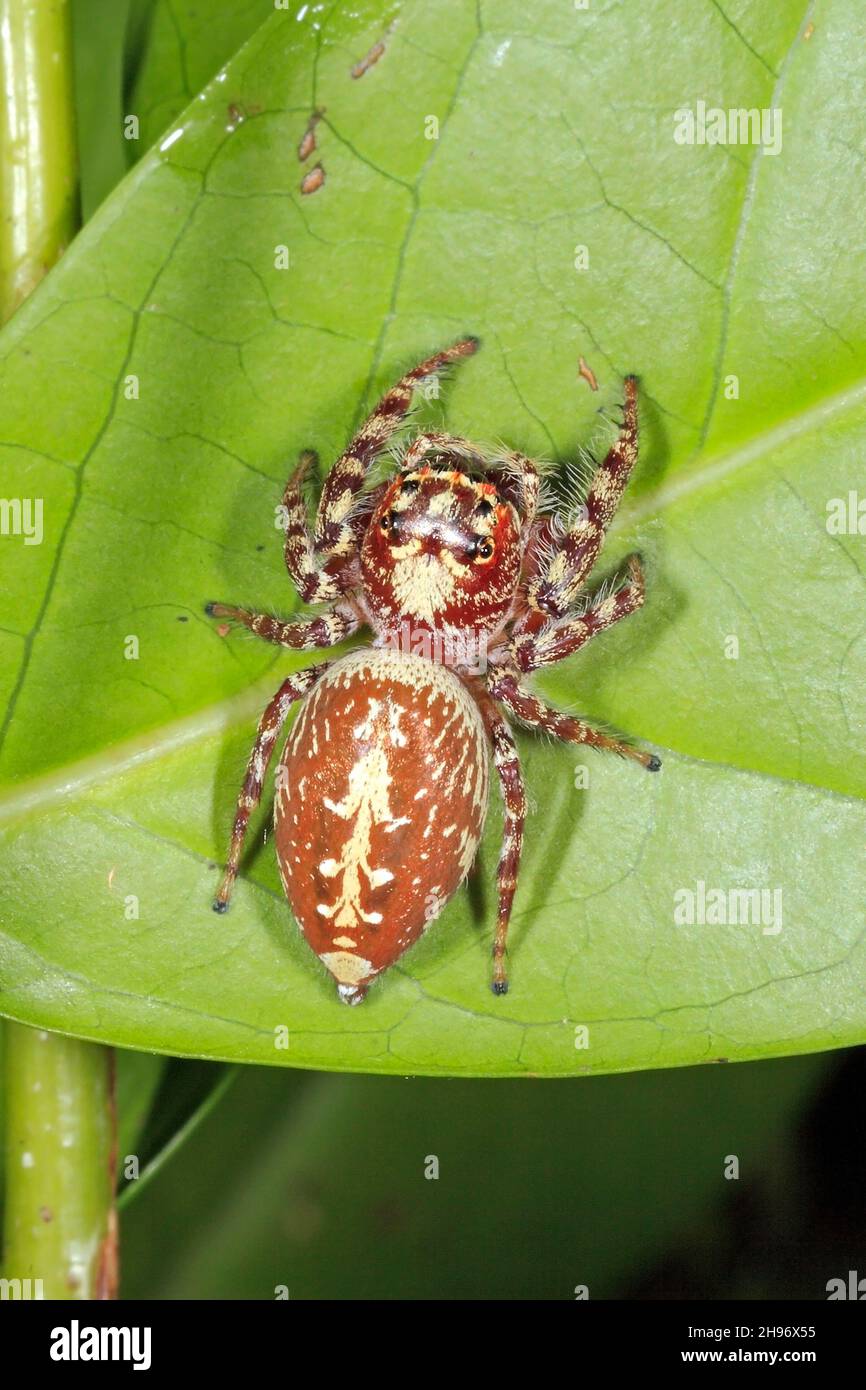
490 174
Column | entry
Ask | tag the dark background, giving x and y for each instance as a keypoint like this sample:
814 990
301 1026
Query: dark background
317 1182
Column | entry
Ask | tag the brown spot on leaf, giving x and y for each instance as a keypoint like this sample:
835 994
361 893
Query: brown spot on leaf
223 630
237 113
370 60
46 1214
308 139
313 180
587 373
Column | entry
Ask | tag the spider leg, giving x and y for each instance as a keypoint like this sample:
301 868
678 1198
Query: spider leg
270 724
334 535
505 687
303 634
317 561
507 763
554 590
558 639
314 582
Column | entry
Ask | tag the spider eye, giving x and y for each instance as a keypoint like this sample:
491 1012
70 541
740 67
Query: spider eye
484 508
387 521
484 549
410 485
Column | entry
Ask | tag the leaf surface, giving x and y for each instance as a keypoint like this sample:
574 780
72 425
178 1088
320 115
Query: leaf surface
158 387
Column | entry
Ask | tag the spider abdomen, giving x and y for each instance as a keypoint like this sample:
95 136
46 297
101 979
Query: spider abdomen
381 797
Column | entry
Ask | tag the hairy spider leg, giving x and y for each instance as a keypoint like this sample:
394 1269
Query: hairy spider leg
552 592
317 562
270 724
507 763
559 639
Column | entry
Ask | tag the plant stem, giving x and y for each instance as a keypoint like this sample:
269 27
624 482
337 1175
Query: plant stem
60 1220
60 1165
38 164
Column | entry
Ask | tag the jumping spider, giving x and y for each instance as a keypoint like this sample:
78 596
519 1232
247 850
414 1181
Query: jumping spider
382 787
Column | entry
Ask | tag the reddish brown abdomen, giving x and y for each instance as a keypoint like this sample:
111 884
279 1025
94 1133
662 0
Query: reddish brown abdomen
380 804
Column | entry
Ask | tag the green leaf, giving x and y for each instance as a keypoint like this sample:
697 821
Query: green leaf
706 262
139 1076
98 28
187 44
188 1093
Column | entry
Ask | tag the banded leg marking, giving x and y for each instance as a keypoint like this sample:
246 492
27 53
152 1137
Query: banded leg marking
302 634
334 535
556 589
507 764
557 640
270 724
537 715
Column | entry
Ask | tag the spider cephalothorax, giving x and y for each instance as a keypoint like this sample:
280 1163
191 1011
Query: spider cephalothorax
383 783
441 554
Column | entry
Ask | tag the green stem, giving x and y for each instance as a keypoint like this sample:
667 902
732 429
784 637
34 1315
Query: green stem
38 165
60 1219
60 1165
